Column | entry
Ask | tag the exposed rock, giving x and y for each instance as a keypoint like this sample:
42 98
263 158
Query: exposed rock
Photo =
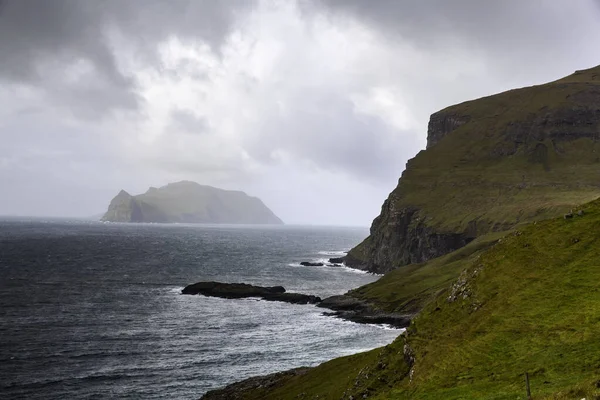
441 124
230 290
236 391
352 309
311 264
401 237
243 290
336 260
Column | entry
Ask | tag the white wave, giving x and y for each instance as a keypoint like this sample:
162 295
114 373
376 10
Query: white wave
327 264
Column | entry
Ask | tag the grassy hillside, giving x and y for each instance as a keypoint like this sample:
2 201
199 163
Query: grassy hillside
529 303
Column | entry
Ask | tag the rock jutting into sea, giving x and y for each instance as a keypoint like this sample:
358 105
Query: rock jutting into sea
343 306
243 290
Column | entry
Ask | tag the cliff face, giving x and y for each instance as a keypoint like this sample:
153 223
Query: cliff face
189 202
123 207
491 163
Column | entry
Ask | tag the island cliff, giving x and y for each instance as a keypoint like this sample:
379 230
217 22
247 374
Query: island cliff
189 202
490 164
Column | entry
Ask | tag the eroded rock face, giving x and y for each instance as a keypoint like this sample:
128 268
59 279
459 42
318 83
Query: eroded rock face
442 123
399 236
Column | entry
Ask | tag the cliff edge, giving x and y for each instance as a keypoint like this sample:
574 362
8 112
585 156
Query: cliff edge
491 164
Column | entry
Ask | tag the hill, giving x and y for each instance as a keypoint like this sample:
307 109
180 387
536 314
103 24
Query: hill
189 202
489 242
491 164
528 303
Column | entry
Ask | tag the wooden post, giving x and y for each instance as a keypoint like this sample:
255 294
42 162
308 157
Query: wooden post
527 386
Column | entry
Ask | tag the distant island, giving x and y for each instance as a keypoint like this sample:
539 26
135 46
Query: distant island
189 202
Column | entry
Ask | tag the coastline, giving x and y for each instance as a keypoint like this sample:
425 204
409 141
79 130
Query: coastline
343 306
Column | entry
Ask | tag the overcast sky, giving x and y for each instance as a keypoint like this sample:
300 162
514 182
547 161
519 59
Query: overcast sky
312 105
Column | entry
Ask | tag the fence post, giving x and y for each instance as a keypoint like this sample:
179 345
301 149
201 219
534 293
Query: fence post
527 386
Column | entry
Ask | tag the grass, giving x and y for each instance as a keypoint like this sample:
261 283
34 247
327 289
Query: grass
532 304
525 295
408 289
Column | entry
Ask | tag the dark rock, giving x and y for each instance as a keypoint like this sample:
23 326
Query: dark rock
399 236
239 390
243 290
334 265
569 215
294 298
311 264
231 290
441 124
336 260
356 310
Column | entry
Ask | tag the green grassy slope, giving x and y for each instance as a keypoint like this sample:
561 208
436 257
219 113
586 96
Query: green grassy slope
408 289
528 303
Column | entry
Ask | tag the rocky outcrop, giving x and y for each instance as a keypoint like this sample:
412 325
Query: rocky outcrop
244 290
311 264
238 390
399 236
441 124
352 309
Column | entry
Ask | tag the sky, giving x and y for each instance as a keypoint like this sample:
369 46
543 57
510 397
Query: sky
314 106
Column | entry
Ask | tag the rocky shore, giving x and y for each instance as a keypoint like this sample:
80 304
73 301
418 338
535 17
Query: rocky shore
342 306
356 310
236 390
243 290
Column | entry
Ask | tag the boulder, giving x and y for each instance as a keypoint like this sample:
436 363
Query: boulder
337 260
231 290
243 290
311 264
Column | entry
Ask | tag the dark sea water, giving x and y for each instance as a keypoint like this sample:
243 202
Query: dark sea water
91 310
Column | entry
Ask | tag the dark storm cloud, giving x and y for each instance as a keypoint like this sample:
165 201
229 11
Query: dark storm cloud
508 28
40 40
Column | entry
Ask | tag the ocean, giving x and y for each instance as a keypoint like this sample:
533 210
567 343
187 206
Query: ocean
91 310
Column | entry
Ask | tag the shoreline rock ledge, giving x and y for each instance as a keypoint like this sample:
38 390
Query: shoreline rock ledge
244 290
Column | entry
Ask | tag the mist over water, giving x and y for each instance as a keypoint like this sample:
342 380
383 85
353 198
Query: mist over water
91 310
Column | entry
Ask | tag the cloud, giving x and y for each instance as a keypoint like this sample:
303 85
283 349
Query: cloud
312 105
66 48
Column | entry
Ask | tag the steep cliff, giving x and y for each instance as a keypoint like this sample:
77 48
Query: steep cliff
490 164
189 202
